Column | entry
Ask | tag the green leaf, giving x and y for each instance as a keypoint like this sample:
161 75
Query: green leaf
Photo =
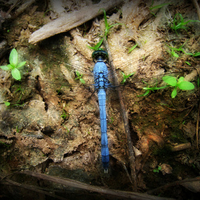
13 58
186 85
174 54
174 93
170 80
158 6
187 63
78 74
181 79
21 64
82 80
16 74
7 103
8 67
132 48
196 54
96 47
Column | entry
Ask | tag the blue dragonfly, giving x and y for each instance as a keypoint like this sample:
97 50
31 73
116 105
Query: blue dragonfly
100 72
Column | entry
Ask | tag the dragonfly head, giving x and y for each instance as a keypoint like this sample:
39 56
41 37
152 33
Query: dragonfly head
99 56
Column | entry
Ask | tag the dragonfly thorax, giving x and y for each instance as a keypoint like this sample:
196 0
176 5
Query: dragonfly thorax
101 75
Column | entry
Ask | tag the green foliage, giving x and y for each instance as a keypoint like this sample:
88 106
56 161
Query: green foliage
125 77
173 49
179 23
187 63
106 32
7 103
151 89
14 65
156 7
157 170
79 77
107 25
173 53
132 48
181 84
97 46
64 114
194 54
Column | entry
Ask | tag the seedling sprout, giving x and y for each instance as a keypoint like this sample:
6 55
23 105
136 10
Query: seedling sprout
125 77
79 77
181 84
14 65
179 23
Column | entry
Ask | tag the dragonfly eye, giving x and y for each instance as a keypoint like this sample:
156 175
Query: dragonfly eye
99 55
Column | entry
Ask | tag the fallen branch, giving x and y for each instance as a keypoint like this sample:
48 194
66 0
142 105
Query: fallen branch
71 20
32 188
90 188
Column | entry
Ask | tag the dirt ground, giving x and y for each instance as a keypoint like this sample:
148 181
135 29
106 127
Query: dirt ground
52 123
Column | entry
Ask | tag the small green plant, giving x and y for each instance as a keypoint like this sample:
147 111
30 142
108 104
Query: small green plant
181 84
64 114
173 53
125 77
173 49
179 23
132 48
107 25
79 77
156 7
157 170
14 65
106 32
151 89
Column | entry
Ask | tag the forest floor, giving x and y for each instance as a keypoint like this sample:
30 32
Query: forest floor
49 120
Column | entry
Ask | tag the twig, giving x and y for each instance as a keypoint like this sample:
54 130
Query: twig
114 193
125 120
197 7
164 187
23 7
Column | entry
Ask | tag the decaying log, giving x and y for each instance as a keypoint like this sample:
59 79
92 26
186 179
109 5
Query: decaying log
71 20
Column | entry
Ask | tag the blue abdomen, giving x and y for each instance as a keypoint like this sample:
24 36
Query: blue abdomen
101 83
